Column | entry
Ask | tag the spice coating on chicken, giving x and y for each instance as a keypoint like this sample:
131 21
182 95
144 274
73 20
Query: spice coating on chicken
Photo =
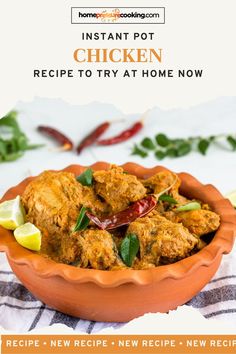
159 237
161 181
56 198
117 188
52 203
199 222
99 250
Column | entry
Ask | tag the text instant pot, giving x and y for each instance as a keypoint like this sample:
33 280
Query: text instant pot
141 51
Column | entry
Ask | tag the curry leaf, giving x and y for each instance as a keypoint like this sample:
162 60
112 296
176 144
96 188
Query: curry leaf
160 155
129 248
82 221
190 206
137 151
148 144
203 145
86 178
167 198
232 142
183 149
171 152
169 147
162 140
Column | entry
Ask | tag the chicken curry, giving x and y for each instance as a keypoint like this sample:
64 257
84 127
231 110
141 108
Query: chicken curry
110 219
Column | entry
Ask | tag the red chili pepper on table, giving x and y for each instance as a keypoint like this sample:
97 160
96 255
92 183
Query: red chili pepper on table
64 141
123 136
125 217
93 136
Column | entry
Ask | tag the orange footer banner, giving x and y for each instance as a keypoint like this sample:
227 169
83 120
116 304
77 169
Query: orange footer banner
99 344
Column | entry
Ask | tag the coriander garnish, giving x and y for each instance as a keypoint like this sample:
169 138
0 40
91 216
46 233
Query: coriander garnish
13 142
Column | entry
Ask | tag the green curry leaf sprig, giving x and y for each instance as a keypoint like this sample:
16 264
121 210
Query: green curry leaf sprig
13 142
163 146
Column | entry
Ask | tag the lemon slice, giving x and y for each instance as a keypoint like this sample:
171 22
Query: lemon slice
28 236
12 213
232 197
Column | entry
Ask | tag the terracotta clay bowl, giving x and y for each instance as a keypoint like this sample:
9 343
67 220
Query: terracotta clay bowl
123 294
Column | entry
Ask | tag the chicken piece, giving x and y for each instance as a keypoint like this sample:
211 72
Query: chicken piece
117 188
199 222
89 249
99 250
91 201
70 250
161 181
52 202
142 264
161 238
158 210
171 216
56 197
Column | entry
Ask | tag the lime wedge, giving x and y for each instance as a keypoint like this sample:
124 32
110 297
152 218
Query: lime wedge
28 236
12 213
232 198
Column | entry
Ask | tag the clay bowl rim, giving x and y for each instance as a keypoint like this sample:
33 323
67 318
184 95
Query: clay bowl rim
222 242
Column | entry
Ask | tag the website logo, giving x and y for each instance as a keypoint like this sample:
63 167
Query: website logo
121 15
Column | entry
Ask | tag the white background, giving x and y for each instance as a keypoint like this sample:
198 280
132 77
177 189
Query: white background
39 34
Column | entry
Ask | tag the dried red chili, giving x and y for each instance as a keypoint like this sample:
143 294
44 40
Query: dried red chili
93 136
63 140
125 217
123 136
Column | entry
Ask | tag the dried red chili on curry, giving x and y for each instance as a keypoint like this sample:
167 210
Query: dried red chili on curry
125 217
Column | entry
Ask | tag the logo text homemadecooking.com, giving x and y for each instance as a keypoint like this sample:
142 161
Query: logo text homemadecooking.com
121 15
